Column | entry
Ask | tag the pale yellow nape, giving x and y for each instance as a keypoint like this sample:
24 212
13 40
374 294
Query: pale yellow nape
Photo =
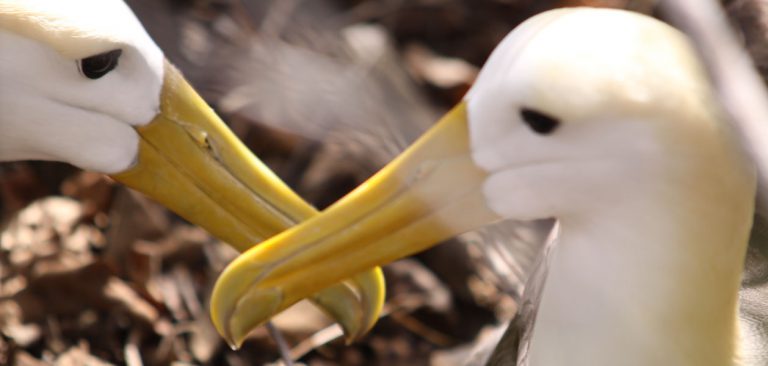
74 28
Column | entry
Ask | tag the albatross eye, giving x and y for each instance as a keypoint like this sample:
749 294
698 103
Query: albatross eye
539 122
96 66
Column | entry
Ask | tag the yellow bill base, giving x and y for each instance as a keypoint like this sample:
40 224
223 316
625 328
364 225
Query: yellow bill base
192 163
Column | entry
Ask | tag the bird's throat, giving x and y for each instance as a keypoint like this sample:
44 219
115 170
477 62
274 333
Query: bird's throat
646 282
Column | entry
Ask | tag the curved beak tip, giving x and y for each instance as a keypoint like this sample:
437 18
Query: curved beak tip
234 196
239 315
405 208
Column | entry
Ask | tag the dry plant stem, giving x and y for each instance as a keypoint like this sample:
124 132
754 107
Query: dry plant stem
282 345
131 350
404 303
320 338
738 85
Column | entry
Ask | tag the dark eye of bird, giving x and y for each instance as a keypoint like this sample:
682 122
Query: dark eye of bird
539 122
96 66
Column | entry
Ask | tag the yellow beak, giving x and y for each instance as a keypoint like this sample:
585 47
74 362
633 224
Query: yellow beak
193 164
430 193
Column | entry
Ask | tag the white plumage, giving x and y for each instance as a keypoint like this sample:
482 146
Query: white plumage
82 82
50 110
603 119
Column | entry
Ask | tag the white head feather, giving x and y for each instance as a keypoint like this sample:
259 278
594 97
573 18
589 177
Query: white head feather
625 87
51 111
652 190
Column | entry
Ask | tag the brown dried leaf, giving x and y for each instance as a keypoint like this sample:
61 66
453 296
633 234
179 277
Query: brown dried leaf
133 217
204 341
301 320
93 190
36 231
22 358
78 356
440 71
11 326
19 185
121 293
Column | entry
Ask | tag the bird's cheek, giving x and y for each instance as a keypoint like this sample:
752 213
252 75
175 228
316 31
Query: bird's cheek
525 193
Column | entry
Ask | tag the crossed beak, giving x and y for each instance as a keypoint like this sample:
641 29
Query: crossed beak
193 164
432 192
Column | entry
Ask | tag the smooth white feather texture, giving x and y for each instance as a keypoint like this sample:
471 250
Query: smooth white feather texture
53 112
653 193
77 28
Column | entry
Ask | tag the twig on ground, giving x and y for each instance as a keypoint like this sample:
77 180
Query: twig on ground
131 349
422 330
404 303
282 345
186 289
320 338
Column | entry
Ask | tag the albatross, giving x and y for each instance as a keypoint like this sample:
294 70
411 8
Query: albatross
602 119
82 82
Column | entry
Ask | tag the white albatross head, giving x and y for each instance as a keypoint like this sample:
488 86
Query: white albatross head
78 76
82 82
603 119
